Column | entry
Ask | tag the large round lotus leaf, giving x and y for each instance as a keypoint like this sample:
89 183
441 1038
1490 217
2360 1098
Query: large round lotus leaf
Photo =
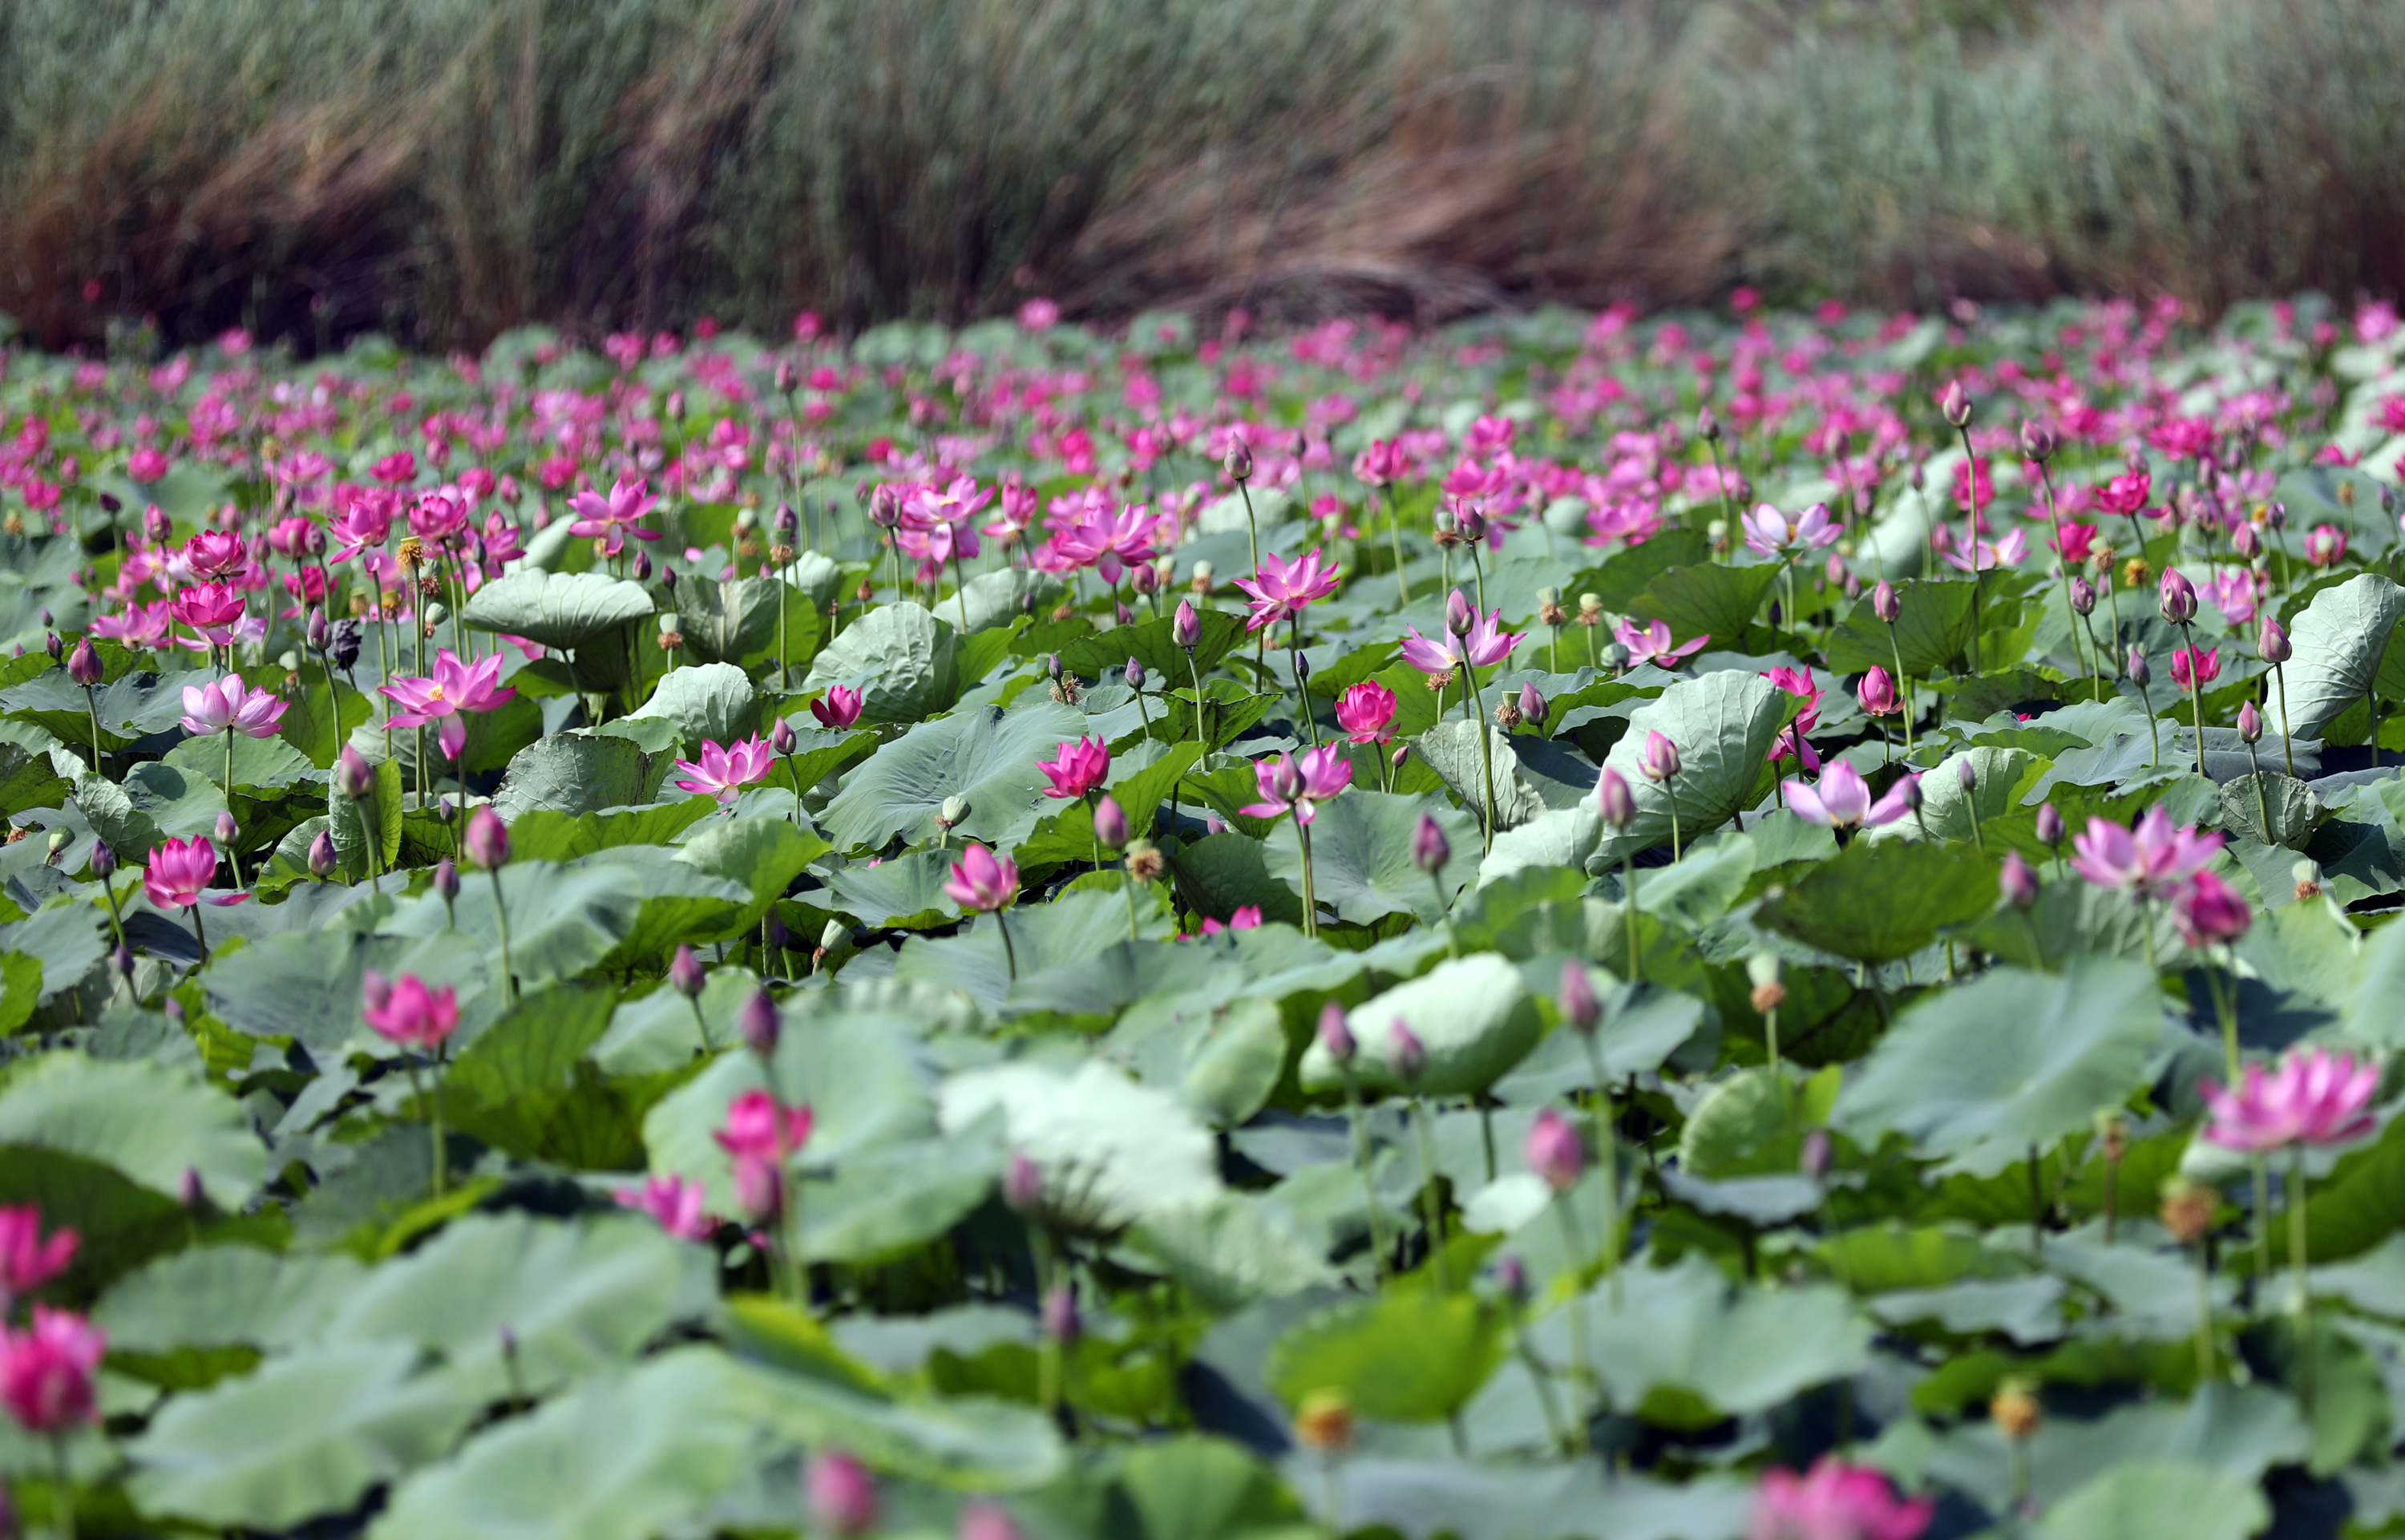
1473 1015
557 609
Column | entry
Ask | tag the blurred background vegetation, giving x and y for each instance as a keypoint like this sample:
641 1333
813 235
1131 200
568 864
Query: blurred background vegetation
443 169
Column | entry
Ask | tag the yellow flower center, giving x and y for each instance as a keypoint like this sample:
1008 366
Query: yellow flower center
434 693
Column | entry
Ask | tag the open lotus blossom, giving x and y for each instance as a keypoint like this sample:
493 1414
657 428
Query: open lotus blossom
2314 1097
1833 1501
1769 532
1652 644
1843 798
1077 769
404 1011
1366 711
674 1202
28 1259
613 518
1295 782
1281 588
2152 858
838 708
1485 645
227 705
2326 546
454 688
47 1371
2193 669
761 1127
1986 556
1244 917
216 553
982 881
179 870
1797 681
724 772
218 614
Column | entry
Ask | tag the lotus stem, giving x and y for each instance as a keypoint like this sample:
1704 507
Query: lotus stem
501 923
2296 1226
1394 541
1310 898
2196 701
1628 907
1473 695
1431 1202
1358 1127
1009 953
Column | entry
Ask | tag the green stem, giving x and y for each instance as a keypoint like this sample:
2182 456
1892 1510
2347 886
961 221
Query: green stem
1301 692
63 1505
960 590
502 924
1252 526
2196 696
1309 900
1581 1352
1486 752
1628 907
1394 541
1478 572
1195 674
1670 792
2154 734
2203 1318
234 854
1009 955
1368 1186
1904 682
91 707
200 932
2305 1292
2287 738
1431 1202
1444 907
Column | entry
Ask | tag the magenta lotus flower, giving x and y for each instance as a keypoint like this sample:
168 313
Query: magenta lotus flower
840 1494
2316 1097
1281 588
216 553
1554 1151
1110 540
227 705
2152 857
48 1369
839 708
1366 711
1843 798
982 881
453 688
1652 644
1077 769
675 1203
1486 645
761 1127
1769 532
724 772
2326 545
27 1259
2194 668
1295 782
179 870
2209 911
403 1011
2175 597
210 609
1244 917
1876 693
1833 1501
613 517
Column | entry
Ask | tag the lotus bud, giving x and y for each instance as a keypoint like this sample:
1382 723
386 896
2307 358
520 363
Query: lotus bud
1884 602
2176 597
841 1495
2246 543
782 738
1406 1055
446 879
1134 675
1052 665
1458 616
787 521
487 839
642 566
1533 706
1580 1008
1955 403
1912 793
955 808
758 1024
1403 752
1186 627
1659 758
1968 774
104 861
1335 1033
1238 460
2138 672
1022 1184
2083 597
1554 1150
2276 516
2037 440
987 1521
1110 822
685 973
884 506
1301 669
124 961
352 776
1707 427
2250 723
1145 578
2271 643
1471 525
375 990
2019 882
1061 1320
83 664
1431 849
322 856
2049 824
1511 1279
55 646
1613 799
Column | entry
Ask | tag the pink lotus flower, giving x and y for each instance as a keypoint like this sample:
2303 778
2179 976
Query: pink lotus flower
1077 769
613 517
2326 545
1877 692
1652 644
2190 670
179 870
674 1202
27 1260
454 688
226 706
46 1370
1485 645
147 464
1554 1151
2152 858
1833 1501
2074 542
1769 532
1366 711
213 554
1791 741
211 610
1986 556
839 1490
2316 1097
2126 493
981 881
1843 798
724 772
1109 541
405 1013
838 709
2209 909
1295 782
1246 917
761 1127
1281 588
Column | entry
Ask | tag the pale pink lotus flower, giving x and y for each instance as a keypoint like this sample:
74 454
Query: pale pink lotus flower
1843 798
1769 532
1652 644
2314 1097
1986 556
2153 859
724 772
1488 644
613 518
1296 783
1554 1151
227 705
27 1260
674 1202
453 688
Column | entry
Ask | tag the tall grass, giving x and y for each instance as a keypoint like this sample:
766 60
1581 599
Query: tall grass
443 169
